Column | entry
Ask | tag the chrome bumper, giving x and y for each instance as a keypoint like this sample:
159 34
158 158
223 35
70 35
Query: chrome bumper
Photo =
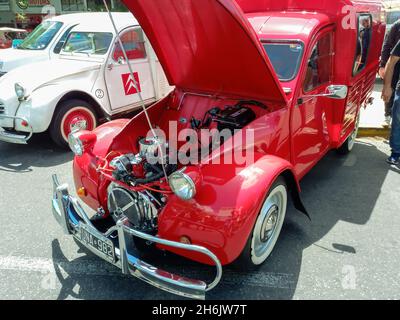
71 216
15 137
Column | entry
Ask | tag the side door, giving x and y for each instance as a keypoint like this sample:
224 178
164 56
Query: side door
310 136
120 85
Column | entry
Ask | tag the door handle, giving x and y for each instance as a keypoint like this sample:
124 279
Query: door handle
110 66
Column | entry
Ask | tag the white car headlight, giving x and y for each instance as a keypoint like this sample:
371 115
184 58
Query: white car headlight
20 91
182 185
75 144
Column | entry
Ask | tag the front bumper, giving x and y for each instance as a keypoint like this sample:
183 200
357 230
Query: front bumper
71 216
12 137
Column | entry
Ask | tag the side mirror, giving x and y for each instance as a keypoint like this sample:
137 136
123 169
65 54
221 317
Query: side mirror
338 92
335 91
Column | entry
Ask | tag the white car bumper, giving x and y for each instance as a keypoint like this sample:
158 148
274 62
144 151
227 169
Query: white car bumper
15 137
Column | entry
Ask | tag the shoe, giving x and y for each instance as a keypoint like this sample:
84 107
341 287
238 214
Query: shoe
393 160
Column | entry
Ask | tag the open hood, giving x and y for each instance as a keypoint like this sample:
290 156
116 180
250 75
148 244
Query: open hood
208 46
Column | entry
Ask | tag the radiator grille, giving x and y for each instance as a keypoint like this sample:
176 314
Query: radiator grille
2 108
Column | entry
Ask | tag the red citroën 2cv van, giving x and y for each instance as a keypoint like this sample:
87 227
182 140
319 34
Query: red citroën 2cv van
294 73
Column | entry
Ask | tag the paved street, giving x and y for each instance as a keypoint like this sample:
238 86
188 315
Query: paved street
350 249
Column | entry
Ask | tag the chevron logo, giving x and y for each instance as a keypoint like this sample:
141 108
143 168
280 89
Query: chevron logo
129 83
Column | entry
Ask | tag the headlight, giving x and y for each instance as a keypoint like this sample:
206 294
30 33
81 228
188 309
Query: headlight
81 141
20 91
75 144
182 185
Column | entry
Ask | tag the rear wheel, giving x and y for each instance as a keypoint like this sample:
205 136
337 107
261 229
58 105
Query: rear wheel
348 145
267 227
71 115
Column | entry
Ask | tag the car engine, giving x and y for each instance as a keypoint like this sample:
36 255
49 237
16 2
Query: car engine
139 205
139 190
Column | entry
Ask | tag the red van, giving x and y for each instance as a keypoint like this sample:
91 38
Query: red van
286 78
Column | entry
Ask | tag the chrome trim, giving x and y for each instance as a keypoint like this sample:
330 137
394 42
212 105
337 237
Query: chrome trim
70 215
287 90
15 137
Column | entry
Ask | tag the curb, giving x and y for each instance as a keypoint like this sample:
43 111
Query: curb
374 132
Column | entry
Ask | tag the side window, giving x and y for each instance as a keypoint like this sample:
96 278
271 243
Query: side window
319 65
133 42
61 42
363 42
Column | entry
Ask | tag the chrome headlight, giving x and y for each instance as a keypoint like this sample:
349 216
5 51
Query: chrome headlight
182 185
20 91
75 143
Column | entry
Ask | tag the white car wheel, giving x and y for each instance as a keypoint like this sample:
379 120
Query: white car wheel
269 224
69 116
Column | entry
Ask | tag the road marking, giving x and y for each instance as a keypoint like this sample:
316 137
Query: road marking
83 266
44 265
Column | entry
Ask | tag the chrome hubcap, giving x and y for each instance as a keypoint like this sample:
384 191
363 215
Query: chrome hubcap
269 224
78 125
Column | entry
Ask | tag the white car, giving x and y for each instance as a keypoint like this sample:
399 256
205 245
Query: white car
43 43
89 82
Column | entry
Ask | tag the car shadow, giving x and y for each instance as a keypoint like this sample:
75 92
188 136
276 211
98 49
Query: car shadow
338 189
39 152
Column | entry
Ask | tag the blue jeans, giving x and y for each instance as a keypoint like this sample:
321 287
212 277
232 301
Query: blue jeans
395 134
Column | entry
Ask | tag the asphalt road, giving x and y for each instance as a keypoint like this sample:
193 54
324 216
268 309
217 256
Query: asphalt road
349 250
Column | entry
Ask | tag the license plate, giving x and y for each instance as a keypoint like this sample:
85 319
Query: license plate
100 244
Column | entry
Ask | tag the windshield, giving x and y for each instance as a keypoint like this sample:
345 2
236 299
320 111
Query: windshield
285 58
40 38
88 43
392 17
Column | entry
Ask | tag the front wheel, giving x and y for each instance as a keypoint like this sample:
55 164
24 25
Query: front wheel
69 116
267 227
348 145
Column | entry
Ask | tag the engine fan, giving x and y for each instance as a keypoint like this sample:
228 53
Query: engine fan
141 208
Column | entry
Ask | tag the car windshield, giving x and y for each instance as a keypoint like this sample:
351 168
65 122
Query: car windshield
285 58
40 38
392 17
88 43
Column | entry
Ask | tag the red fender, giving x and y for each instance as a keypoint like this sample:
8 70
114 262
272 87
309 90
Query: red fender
224 210
85 174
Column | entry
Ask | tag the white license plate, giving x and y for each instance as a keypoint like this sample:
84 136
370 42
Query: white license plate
100 244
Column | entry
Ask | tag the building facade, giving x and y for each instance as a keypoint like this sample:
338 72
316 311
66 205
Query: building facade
29 13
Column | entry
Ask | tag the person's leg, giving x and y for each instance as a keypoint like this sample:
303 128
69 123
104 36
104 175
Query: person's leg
395 132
